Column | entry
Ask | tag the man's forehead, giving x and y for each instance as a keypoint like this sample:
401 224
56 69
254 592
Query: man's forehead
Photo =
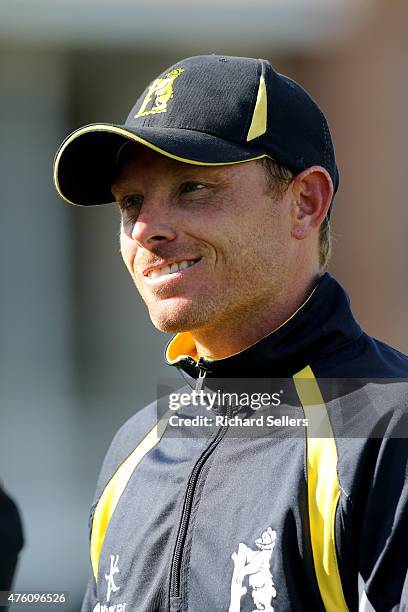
135 157
134 160
132 152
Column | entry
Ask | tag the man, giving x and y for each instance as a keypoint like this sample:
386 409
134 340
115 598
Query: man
224 174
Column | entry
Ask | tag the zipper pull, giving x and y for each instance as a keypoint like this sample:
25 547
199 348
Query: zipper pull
200 380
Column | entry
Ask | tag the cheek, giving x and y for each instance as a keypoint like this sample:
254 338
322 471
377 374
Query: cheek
128 251
264 238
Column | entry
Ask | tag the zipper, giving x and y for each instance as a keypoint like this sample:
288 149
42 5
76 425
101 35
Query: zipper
175 576
202 371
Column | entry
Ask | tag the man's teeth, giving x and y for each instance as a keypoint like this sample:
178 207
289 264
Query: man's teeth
175 267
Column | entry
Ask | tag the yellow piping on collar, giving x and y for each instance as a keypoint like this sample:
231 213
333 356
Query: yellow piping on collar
180 347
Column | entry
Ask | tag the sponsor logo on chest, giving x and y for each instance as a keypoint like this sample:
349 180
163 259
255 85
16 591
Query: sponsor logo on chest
252 570
112 586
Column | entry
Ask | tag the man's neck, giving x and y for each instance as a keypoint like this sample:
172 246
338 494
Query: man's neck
235 335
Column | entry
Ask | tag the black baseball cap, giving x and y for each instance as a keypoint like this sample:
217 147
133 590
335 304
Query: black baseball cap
206 110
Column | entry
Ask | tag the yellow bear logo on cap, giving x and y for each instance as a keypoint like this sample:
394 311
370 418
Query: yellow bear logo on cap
160 92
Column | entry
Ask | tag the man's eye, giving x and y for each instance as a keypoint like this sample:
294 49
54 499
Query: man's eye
131 201
189 187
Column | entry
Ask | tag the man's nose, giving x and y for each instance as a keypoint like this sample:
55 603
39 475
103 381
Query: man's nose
153 225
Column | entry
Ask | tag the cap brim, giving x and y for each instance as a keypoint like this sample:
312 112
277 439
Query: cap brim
86 162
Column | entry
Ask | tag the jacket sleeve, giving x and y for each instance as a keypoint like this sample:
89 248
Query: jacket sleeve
90 598
383 559
90 601
125 439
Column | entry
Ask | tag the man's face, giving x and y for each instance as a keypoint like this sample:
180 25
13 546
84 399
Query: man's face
204 245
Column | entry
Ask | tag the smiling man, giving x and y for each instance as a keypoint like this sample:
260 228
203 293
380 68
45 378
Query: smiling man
224 174
188 242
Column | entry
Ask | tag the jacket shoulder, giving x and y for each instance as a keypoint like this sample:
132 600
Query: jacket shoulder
393 359
364 357
128 436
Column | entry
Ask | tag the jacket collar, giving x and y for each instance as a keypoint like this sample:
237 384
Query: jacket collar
320 326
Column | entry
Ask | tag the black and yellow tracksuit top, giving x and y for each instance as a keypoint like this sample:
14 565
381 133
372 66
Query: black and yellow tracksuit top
311 517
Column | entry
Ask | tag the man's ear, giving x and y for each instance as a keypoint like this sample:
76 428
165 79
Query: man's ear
312 192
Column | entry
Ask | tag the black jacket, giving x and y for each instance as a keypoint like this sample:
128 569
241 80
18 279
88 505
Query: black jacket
304 509
11 538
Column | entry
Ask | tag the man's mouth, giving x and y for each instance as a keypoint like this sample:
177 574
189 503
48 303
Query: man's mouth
176 266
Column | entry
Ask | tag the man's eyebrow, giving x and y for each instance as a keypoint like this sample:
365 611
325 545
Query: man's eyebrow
187 171
119 185
115 191
197 172
119 190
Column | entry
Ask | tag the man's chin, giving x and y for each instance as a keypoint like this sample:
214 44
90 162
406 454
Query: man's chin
175 322
170 325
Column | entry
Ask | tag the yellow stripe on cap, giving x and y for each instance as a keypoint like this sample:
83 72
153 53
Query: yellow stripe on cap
260 116
113 129
115 487
323 489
